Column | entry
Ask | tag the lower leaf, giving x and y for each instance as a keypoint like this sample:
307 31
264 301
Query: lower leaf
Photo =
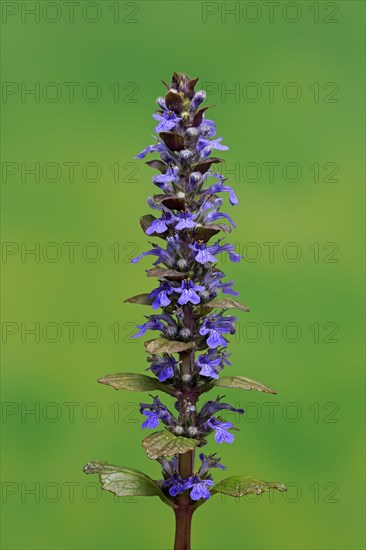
243 383
123 481
239 486
134 382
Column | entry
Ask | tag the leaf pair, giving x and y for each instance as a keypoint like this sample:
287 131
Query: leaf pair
224 303
124 482
140 382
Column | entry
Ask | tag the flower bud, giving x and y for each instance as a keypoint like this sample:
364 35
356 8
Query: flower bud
192 431
192 132
205 295
198 98
171 332
185 333
166 157
185 155
161 102
178 430
182 263
195 177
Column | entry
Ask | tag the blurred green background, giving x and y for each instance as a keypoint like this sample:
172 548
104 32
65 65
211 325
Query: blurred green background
297 78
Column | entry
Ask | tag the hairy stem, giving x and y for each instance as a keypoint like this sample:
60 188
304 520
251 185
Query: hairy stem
186 460
183 519
184 511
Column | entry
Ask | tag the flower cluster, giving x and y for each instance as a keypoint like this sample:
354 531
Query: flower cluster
198 484
189 317
189 214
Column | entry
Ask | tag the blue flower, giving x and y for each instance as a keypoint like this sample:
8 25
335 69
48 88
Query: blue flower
205 146
219 188
215 339
156 251
169 467
157 148
169 256
152 324
215 214
229 248
164 368
215 326
164 256
207 362
210 408
163 180
207 253
156 412
226 288
221 431
186 220
156 322
203 253
152 420
200 488
207 127
167 121
209 462
176 484
160 295
188 292
161 225
157 226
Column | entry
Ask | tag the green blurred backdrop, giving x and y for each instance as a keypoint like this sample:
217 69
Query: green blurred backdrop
294 125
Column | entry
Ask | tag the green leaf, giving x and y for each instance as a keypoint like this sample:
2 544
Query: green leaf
165 443
161 345
125 482
142 299
134 382
242 383
239 486
167 273
227 303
